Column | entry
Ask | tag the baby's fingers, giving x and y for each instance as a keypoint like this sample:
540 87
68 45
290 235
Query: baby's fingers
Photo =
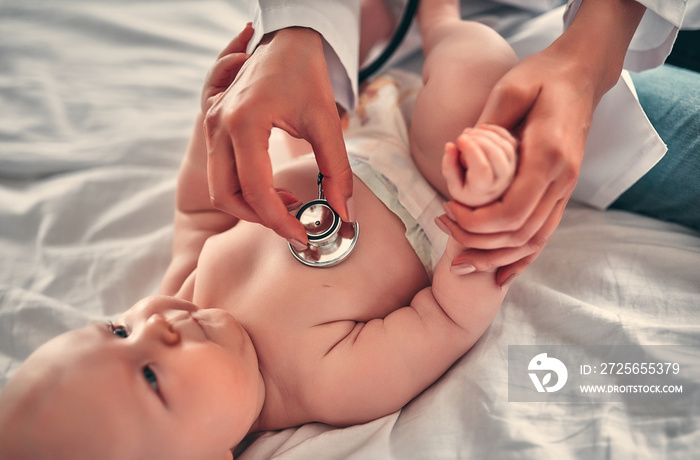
220 78
499 133
500 140
475 161
239 42
501 156
452 169
225 70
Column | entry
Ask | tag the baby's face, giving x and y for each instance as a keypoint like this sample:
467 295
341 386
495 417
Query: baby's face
167 378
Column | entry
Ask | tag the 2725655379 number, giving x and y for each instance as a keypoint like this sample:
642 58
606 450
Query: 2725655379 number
639 368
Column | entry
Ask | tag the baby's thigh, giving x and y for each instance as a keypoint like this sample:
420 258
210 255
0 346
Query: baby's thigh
460 70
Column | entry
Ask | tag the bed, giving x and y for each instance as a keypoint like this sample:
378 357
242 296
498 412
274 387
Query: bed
97 100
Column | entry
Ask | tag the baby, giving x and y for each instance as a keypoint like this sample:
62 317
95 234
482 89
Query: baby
244 338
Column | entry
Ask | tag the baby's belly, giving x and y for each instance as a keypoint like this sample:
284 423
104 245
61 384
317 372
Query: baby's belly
250 271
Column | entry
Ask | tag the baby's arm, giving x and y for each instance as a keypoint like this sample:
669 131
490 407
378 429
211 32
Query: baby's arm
375 368
195 217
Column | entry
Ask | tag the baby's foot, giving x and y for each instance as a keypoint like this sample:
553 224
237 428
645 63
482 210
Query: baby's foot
481 165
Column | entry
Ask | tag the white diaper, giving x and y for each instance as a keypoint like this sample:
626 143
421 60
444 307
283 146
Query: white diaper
376 137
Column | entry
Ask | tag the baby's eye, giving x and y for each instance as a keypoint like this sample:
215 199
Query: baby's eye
150 377
118 330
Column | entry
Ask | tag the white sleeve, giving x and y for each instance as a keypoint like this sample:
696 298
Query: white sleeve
655 35
338 22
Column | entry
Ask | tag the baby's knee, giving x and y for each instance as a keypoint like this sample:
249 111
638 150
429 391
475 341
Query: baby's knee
469 52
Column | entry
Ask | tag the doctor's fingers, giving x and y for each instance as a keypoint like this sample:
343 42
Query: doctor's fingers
497 240
511 262
325 134
230 194
458 218
545 174
511 98
254 169
506 274
224 188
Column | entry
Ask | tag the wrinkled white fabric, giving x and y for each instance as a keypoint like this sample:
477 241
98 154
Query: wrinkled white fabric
98 99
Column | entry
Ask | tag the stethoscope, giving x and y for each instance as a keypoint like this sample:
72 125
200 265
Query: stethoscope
331 240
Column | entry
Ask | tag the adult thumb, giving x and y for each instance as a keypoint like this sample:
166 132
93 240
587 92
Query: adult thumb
507 106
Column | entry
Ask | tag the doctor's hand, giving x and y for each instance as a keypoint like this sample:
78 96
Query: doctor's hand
550 106
547 100
283 84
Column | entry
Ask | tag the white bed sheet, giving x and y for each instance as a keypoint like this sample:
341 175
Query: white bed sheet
97 99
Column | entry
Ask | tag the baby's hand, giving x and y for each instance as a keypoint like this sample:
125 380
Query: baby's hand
227 65
481 165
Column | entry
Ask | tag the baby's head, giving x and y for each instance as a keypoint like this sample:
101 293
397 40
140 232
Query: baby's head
168 380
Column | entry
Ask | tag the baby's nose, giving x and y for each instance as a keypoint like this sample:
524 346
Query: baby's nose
158 328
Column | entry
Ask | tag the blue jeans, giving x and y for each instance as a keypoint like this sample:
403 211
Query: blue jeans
670 96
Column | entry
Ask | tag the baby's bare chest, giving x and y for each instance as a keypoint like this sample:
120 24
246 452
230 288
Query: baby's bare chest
251 272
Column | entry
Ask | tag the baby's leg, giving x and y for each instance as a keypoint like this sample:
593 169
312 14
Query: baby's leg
463 61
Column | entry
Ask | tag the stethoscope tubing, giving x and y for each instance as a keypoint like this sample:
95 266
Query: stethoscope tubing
408 14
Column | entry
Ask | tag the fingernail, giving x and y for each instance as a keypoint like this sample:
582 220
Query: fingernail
298 245
508 281
441 225
448 211
462 269
350 207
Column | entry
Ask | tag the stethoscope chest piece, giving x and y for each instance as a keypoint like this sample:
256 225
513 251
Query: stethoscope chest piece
330 239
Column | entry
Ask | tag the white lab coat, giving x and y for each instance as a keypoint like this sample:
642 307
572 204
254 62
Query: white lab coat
622 145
